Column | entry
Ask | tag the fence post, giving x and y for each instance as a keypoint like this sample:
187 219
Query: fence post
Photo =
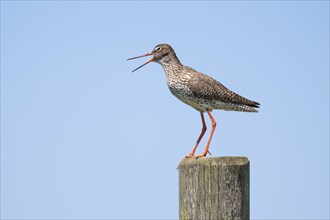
214 188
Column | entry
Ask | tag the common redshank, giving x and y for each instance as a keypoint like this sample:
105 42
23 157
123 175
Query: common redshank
198 90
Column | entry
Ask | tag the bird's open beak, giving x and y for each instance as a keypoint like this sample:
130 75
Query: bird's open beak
145 55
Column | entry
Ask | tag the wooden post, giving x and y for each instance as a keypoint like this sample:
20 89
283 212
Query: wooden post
214 188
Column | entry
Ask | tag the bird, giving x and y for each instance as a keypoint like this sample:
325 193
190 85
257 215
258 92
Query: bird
197 90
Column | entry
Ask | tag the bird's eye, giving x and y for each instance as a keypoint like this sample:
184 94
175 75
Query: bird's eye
158 49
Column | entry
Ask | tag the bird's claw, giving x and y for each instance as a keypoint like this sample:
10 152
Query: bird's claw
198 156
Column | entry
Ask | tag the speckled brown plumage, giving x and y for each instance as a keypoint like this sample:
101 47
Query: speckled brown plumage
196 89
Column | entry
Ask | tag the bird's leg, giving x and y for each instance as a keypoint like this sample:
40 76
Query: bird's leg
214 125
192 153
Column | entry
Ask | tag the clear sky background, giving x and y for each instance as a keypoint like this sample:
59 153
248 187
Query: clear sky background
83 137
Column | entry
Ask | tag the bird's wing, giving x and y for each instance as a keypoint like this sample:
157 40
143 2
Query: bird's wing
205 87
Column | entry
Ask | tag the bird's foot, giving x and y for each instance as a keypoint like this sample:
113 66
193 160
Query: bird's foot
198 156
191 156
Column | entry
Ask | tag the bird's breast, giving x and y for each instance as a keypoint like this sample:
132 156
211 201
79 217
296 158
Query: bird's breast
178 82
187 97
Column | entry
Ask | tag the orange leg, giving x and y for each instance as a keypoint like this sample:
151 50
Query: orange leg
192 153
214 125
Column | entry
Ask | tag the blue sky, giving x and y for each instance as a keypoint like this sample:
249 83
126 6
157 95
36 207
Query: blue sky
83 137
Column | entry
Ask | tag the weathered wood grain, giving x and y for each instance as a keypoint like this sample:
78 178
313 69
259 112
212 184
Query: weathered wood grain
214 188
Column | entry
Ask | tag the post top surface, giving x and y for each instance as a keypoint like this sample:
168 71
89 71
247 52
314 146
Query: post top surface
229 161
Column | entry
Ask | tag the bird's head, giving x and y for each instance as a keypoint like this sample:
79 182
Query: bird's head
160 53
